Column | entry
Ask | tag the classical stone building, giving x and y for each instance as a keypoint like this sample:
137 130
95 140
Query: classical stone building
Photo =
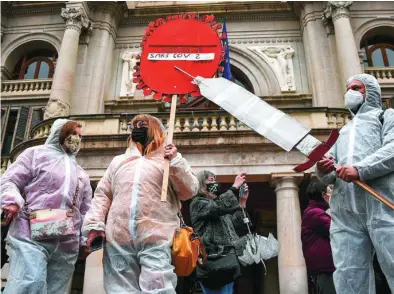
75 59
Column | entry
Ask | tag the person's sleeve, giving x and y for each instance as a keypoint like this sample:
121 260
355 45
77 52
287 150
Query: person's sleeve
328 179
95 217
185 183
207 209
381 162
320 221
16 177
85 204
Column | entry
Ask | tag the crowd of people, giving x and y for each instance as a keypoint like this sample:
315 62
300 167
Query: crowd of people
47 199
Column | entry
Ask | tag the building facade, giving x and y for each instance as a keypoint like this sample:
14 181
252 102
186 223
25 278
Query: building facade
76 59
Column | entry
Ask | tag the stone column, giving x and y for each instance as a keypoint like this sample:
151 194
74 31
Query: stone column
60 98
94 274
320 58
349 61
291 263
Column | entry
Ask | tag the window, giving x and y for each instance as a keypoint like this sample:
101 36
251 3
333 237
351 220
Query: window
17 123
9 132
39 64
378 51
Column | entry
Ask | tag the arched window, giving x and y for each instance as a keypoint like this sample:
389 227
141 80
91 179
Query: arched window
39 64
378 48
241 79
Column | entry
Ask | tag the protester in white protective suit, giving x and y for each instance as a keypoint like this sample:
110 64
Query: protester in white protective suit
127 210
360 223
45 177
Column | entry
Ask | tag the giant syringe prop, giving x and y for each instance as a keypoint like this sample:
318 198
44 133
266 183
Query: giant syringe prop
275 125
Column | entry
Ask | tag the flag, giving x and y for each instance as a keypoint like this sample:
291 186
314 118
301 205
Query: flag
226 63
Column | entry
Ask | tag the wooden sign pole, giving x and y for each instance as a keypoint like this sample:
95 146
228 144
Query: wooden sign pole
170 135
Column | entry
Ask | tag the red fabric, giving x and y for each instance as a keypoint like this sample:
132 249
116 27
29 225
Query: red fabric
315 236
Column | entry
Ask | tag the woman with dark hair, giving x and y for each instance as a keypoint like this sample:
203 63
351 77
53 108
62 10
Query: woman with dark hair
212 216
45 195
315 237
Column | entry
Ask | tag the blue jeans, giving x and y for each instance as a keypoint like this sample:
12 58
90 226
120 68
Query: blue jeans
227 289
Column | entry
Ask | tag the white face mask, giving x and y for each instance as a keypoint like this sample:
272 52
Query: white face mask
72 142
353 99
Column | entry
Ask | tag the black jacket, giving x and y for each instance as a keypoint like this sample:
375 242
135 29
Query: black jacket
215 221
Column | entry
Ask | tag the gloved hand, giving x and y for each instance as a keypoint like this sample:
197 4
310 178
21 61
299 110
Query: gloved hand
326 165
10 211
95 236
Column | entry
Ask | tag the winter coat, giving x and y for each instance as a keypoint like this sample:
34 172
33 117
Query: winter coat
315 237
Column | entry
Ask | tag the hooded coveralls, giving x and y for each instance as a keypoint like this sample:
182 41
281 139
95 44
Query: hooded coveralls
47 177
138 226
360 223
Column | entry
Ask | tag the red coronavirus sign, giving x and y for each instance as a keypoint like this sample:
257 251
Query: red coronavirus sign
191 44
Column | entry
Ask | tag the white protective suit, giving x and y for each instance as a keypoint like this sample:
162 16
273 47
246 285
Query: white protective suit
360 223
139 227
47 177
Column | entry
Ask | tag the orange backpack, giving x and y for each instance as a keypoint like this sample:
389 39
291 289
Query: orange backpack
187 249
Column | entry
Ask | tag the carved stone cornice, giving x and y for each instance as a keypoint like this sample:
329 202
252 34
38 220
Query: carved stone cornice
130 19
13 8
142 8
75 18
268 41
336 10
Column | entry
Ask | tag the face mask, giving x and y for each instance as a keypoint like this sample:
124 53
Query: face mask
213 188
72 142
139 135
353 100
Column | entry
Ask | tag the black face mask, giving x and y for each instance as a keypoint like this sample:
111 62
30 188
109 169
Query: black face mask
140 135
213 188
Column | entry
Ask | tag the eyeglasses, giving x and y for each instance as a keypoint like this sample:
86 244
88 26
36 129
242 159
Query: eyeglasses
139 124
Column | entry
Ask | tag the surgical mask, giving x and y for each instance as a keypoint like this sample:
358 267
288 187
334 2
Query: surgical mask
72 142
353 100
213 188
139 135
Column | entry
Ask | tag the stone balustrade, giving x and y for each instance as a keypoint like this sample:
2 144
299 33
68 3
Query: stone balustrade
189 122
337 120
192 122
382 74
42 130
23 87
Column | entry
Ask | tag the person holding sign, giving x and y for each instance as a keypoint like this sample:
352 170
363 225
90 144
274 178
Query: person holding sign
128 215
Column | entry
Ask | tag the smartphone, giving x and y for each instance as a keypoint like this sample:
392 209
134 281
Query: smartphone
242 190
97 244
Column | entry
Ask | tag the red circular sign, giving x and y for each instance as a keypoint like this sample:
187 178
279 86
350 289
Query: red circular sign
183 41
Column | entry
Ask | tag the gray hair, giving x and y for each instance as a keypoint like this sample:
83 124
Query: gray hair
202 176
